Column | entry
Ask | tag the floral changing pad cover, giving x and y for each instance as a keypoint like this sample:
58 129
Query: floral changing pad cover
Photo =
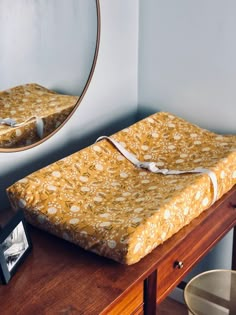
99 200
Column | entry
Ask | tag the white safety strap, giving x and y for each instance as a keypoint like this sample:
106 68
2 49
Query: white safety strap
152 167
12 123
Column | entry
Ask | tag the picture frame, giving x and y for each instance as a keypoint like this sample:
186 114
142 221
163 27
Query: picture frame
15 245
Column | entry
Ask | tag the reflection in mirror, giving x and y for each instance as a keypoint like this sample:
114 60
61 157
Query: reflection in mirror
48 51
30 113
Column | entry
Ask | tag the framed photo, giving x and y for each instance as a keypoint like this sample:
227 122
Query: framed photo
15 245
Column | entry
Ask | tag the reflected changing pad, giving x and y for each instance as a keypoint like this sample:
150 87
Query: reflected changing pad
97 199
25 101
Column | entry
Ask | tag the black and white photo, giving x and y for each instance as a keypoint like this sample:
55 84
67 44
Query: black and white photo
15 245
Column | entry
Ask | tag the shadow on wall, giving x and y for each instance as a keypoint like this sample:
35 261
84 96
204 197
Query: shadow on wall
69 148
144 112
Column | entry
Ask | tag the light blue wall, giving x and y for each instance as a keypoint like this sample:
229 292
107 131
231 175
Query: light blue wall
109 104
187 60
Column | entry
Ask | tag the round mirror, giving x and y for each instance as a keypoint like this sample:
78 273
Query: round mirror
48 52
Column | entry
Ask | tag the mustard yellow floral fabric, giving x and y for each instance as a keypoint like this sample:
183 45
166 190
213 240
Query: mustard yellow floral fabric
97 199
30 100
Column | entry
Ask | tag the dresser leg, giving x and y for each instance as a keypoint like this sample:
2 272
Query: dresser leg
150 290
234 250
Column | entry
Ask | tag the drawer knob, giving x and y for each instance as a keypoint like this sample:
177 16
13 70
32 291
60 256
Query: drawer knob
178 264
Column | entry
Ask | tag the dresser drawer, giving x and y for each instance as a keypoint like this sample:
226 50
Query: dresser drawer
190 248
174 268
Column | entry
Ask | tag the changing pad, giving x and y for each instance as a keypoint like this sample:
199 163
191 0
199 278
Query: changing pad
23 104
99 200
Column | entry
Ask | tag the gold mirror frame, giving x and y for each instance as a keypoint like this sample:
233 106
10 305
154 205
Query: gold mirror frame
23 148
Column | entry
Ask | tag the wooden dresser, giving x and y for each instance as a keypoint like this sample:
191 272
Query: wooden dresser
60 278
